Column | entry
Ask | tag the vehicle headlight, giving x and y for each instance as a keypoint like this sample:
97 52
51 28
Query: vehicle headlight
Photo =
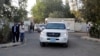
42 34
65 35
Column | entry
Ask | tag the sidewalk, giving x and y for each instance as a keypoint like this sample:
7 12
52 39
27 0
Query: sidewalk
78 33
91 39
9 45
85 36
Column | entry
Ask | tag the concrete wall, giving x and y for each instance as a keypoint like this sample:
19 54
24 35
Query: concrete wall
81 27
70 24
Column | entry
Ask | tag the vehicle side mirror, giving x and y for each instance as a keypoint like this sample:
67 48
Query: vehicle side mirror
68 28
43 28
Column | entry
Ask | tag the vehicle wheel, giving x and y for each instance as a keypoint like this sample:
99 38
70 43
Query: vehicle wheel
65 45
42 44
38 31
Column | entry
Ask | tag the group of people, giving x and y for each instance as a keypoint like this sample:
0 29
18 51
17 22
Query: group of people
18 31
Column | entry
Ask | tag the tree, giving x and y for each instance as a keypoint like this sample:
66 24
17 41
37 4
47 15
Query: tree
22 13
44 7
76 10
56 14
5 14
10 13
39 11
49 8
91 13
67 12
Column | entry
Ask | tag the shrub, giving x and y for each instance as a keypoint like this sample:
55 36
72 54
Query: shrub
95 31
5 34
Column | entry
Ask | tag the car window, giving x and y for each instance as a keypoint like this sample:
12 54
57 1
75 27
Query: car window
42 25
55 26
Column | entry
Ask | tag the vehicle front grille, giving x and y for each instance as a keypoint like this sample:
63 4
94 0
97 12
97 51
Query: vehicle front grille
52 34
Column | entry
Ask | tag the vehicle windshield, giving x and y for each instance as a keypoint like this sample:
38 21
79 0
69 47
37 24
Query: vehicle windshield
36 25
42 25
55 26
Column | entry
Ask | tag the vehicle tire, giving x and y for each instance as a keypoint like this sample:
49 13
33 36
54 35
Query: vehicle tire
39 31
65 45
42 44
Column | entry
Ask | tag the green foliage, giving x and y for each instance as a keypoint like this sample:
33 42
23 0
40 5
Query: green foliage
39 11
95 31
90 13
50 8
4 34
53 5
67 12
5 9
5 14
11 13
90 10
22 13
7 2
37 20
56 14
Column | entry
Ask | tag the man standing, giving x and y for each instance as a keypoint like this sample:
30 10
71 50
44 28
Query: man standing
31 27
22 32
88 28
15 32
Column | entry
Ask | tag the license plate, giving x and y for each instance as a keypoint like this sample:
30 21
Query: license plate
52 39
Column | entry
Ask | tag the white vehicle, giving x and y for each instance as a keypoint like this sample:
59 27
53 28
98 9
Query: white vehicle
36 26
54 32
41 27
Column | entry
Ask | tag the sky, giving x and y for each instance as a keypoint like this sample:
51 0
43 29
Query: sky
15 2
30 4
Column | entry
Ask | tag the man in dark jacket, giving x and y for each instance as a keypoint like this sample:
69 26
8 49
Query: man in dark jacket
17 35
15 32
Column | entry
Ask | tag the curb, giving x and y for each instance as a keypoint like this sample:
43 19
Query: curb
91 39
9 45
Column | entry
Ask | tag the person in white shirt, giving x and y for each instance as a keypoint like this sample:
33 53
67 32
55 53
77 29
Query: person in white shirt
22 31
88 28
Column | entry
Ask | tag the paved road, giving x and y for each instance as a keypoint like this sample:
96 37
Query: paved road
77 47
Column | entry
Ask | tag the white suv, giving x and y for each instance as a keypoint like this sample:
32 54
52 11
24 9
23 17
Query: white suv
54 32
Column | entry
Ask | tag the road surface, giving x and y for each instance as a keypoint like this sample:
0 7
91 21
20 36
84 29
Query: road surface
31 47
